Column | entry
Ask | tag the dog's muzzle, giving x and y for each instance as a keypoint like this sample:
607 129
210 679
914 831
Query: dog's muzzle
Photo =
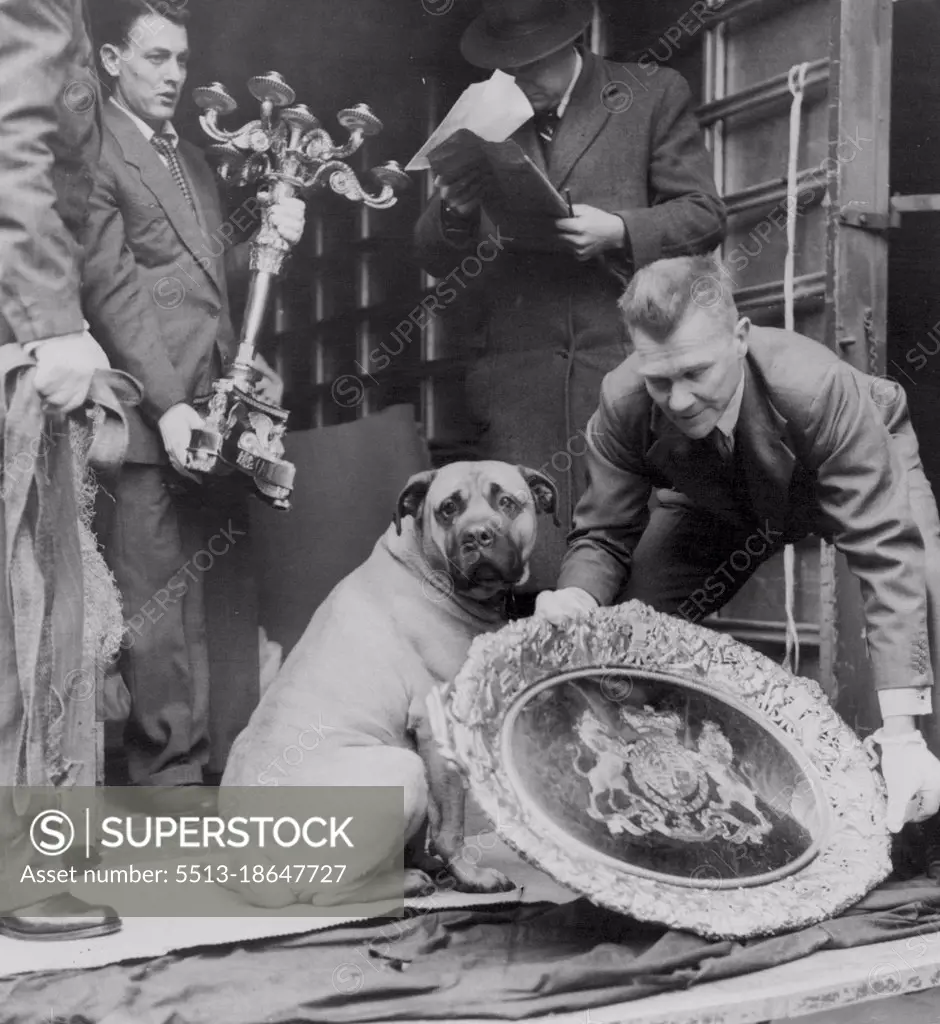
485 559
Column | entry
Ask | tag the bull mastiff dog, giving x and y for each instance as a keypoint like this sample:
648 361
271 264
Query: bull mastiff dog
397 626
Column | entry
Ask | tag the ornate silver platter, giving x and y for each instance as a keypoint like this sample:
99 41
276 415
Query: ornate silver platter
668 772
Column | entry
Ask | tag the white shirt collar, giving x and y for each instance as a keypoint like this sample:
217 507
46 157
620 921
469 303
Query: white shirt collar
145 128
579 64
729 418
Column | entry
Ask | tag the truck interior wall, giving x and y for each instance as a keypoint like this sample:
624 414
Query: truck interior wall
913 336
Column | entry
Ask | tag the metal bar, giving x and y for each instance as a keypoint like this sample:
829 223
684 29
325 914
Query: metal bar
725 11
432 332
776 636
372 241
860 107
319 308
714 90
397 375
764 624
364 299
915 204
769 91
389 308
767 193
806 287
598 34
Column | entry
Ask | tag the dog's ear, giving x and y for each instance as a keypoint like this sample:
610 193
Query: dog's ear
410 499
544 491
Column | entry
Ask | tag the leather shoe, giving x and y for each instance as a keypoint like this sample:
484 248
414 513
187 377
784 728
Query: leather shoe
169 801
59 917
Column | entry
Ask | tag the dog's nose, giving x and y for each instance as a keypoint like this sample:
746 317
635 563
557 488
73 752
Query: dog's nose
480 536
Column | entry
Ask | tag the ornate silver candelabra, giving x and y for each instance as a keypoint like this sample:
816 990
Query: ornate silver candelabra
288 154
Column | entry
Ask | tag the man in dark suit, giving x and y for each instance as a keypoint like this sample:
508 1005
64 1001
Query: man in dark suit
754 438
627 147
155 294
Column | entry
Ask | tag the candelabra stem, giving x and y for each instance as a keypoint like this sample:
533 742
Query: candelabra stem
259 291
288 154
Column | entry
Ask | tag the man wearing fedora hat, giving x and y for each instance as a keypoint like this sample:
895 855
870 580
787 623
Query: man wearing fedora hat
541 328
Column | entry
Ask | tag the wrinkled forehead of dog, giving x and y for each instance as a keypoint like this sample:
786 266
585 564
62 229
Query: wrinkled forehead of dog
469 483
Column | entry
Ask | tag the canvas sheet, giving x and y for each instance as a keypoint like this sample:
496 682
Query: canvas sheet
505 962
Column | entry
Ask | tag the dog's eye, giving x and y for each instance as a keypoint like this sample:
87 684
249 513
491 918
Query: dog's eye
448 508
508 505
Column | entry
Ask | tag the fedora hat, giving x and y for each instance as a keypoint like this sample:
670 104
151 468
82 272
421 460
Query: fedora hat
510 33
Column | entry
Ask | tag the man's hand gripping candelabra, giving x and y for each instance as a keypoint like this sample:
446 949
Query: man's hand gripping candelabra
289 154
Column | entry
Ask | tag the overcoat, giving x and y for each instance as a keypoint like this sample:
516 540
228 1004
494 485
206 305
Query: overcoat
540 330
49 142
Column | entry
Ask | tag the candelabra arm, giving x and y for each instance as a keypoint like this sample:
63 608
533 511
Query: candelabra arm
350 147
324 170
288 153
320 136
210 125
385 199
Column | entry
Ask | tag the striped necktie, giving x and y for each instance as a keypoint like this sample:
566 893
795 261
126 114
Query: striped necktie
163 144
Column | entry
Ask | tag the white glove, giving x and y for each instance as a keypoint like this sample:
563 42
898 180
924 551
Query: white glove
912 778
560 605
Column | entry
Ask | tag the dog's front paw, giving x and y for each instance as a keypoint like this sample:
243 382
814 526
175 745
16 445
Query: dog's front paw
418 883
471 878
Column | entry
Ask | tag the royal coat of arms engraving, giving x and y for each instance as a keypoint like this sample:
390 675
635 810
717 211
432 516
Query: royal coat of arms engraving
668 772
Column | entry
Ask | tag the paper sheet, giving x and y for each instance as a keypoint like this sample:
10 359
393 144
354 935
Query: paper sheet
493 109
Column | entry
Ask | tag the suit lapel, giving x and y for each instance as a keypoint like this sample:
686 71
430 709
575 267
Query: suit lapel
156 177
582 121
768 460
528 141
206 197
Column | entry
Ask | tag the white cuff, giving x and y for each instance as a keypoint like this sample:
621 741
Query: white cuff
905 700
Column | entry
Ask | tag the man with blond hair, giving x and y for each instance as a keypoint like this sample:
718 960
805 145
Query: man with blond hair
754 438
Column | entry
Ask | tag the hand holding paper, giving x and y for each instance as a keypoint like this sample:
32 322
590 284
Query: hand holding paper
464 193
493 109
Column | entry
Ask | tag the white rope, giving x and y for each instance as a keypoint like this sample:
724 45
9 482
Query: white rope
797 82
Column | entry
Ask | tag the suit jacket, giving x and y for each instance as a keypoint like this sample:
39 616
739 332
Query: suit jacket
49 140
819 457
539 329
154 290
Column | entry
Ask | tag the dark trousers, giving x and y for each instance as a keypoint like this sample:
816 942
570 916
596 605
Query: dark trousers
163 549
